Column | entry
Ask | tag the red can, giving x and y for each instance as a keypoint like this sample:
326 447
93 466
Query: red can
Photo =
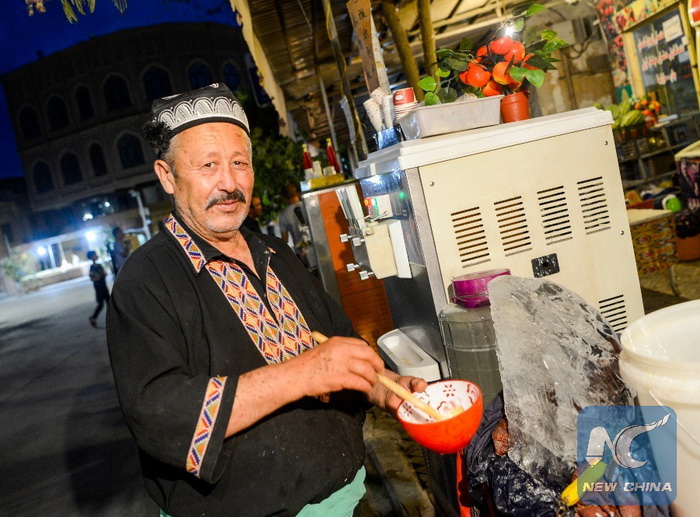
404 96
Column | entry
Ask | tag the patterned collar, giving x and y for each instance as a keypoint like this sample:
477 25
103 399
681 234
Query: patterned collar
199 251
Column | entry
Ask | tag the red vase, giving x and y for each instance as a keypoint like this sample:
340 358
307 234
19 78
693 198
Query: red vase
514 107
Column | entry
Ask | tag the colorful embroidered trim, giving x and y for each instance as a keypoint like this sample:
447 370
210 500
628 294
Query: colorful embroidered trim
205 424
192 250
278 339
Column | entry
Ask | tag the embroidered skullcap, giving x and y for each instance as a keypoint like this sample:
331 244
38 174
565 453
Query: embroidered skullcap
213 103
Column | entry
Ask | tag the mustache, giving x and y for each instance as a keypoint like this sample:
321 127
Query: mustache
236 195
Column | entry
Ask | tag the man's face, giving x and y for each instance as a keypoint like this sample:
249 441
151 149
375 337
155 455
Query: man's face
256 208
213 178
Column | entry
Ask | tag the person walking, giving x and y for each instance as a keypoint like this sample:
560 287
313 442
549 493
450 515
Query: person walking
120 249
234 407
99 281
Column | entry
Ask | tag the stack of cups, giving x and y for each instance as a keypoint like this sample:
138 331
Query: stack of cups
404 101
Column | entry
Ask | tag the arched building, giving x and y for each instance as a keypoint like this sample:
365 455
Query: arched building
77 117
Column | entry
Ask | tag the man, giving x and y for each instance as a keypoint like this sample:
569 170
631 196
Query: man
292 222
254 213
99 281
120 249
234 408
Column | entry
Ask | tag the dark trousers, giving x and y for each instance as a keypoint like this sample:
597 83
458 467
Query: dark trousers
102 297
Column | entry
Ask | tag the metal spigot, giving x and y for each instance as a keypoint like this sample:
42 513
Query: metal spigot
352 267
364 275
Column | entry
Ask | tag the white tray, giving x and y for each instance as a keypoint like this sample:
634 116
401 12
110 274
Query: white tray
454 116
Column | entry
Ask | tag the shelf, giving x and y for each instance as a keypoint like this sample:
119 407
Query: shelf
636 183
664 150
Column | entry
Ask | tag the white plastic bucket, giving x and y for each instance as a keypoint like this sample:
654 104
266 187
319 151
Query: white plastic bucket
661 361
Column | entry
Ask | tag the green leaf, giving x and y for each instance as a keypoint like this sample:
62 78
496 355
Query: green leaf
534 9
534 47
537 61
536 77
442 53
520 10
548 34
428 83
431 99
447 94
457 64
518 73
466 44
442 73
518 25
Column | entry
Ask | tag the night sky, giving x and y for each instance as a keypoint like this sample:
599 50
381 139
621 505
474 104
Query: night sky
23 39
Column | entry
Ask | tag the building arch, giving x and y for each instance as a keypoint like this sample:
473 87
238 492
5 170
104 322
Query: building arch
70 169
232 77
116 93
42 177
156 83
57 113
130 151
199 75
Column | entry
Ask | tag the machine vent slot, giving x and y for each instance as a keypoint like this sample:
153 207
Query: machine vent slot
594 205
554 211
471 236
512 224
614 311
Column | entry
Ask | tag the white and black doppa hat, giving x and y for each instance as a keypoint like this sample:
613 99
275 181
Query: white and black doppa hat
213 103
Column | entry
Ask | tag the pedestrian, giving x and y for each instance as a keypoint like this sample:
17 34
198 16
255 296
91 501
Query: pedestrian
293 223
254 214
234 408
120 249
99 281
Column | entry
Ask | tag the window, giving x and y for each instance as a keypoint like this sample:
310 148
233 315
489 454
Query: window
42 178
97 159
84 102
156 82
231 77
199 75
29 123
57 113
70 168
130 151
116 93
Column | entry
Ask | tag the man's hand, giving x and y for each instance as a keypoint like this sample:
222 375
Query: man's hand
339 363
387 400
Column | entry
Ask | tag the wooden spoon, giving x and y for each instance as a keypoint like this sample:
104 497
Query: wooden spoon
402 392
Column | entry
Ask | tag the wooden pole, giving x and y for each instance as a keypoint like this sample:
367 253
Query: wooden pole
400 37
427 36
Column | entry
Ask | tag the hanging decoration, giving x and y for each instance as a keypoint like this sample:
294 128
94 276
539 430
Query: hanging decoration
71 6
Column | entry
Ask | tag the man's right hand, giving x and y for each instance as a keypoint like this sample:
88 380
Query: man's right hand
339 363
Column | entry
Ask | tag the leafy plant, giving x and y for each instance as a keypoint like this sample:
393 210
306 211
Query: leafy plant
277 161
512 58
15 266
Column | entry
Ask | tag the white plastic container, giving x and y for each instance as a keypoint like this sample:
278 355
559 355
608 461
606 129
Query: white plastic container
405 357
661 361
454 116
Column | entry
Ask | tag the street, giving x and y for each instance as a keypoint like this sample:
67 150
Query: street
64 448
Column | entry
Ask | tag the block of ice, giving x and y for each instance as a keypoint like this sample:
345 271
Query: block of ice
557 355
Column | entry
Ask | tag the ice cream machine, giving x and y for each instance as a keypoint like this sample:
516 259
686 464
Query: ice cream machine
541 197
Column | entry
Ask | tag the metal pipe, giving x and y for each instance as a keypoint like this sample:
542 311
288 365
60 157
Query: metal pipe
340 63
403 47
427 37
331 126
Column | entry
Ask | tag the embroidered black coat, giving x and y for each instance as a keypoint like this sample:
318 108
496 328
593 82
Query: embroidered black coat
177 350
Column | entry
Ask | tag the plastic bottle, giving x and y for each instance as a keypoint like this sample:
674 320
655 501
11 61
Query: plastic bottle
468 333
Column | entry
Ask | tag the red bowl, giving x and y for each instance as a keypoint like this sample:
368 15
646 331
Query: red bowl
450 435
